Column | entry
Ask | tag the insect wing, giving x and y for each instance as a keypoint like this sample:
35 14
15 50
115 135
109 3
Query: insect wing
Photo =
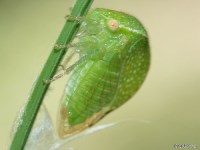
88 95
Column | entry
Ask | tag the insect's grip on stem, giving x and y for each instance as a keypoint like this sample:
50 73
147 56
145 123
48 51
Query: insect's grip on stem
60 75
60 47
74 18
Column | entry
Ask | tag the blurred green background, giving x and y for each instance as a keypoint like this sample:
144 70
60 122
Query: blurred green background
169 98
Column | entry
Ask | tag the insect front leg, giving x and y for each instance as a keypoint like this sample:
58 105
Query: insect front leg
79 19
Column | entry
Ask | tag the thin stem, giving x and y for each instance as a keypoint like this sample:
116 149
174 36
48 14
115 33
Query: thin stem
30 112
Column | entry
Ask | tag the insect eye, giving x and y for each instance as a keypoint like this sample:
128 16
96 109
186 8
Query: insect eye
113 24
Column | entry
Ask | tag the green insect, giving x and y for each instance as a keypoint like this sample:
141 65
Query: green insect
114 61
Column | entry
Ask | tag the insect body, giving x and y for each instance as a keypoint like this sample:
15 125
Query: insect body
115 58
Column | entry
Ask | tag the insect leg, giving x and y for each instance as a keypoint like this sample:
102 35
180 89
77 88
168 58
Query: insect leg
60 75
65 71
74 18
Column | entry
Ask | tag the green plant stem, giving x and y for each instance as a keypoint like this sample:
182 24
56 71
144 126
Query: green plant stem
30 111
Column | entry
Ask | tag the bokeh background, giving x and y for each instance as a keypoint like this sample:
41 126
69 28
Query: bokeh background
169 99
